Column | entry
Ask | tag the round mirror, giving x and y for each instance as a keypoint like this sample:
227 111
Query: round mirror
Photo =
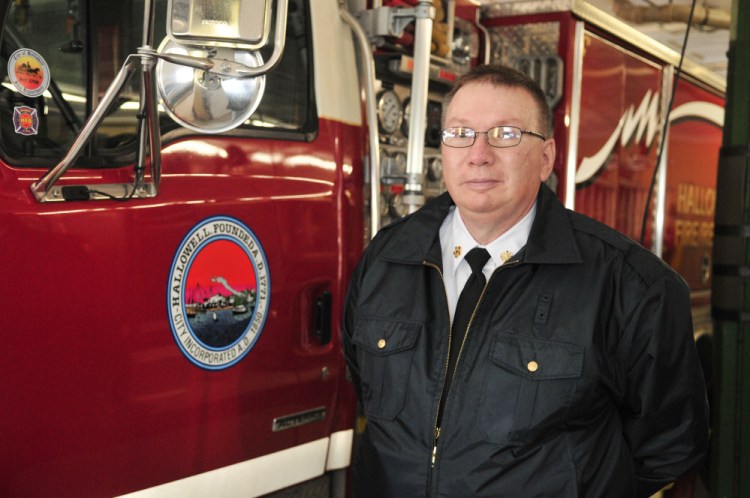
205 102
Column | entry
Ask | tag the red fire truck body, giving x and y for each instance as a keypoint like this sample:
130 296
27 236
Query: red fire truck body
110 388
179 336
608 126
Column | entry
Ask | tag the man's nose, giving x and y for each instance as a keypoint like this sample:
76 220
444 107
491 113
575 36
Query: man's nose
480 152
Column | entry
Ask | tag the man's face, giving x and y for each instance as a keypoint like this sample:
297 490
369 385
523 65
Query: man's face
495 185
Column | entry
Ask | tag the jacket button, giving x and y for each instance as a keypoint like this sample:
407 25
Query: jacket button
532 366
381 343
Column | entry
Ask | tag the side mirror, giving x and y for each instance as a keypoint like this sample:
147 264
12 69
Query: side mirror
210 75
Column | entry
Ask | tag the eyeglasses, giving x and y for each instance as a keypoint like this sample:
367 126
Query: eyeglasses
499 136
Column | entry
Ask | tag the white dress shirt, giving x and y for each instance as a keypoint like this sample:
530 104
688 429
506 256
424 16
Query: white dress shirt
456 242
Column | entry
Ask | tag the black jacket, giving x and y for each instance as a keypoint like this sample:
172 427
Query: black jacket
616 406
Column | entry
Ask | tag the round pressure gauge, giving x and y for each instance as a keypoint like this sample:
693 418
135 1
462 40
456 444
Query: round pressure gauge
397 208
399 163
435 169
390 112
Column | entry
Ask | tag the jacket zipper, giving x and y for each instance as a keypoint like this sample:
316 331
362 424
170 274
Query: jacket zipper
436 429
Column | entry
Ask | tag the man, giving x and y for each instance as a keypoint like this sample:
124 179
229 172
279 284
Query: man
576 374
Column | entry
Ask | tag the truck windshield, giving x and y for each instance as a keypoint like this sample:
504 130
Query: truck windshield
62 55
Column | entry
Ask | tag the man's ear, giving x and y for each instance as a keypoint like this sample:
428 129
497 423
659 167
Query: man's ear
548 159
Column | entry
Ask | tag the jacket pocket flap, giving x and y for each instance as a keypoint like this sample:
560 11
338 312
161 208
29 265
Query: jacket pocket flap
383 337
536 359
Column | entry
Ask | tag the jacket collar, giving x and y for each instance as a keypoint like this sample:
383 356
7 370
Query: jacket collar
551 239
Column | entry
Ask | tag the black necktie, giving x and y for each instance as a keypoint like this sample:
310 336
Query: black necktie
467 301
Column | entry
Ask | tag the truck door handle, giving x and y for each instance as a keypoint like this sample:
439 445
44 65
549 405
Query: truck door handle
322 317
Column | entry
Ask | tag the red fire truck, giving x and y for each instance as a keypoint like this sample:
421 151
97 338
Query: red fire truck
612 90
186 185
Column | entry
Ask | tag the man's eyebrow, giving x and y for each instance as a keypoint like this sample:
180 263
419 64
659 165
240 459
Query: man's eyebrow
458 120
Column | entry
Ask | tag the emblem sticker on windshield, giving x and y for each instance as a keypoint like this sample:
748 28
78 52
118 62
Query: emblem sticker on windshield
219 291
29 72
25 120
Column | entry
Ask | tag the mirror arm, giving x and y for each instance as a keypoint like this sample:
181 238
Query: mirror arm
279 40
41 187
149 131
148 110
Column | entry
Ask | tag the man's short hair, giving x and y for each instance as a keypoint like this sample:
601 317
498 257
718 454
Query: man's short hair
504 76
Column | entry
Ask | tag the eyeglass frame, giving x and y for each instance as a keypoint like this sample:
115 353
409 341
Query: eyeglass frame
486 136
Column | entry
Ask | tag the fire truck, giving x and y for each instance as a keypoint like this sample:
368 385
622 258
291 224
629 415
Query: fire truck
638 142
638 132
186 186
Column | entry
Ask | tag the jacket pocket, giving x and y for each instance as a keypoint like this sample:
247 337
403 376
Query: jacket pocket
528 386
385 354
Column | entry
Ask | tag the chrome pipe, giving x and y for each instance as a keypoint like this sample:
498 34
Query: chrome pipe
368 68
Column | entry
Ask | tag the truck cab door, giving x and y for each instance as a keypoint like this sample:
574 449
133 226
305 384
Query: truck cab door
175 337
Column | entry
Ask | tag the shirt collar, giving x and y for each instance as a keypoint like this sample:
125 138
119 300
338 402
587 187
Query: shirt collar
458 240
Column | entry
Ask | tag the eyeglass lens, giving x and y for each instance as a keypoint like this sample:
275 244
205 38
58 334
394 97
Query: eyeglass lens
499 136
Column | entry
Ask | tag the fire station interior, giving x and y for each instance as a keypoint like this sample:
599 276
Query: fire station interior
129 131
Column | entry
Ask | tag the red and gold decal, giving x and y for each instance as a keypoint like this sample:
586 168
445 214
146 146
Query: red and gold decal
29 72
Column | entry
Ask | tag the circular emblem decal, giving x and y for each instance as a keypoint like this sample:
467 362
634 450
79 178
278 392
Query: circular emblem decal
219 292
29 72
